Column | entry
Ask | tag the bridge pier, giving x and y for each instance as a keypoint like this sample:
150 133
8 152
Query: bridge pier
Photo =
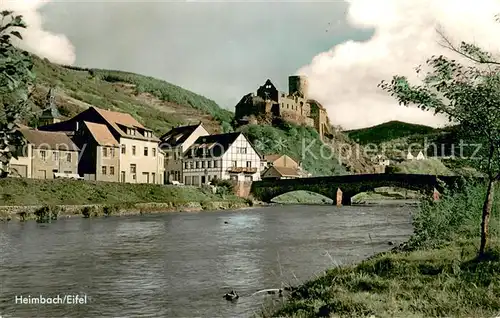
339 197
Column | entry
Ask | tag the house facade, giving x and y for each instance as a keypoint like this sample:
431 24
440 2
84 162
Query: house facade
283 167
223 156
114 147
174 143
45 155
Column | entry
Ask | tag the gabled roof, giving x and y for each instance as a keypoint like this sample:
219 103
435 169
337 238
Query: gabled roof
117 119
285 171
274 157
215 145
178 135
48 140
101 134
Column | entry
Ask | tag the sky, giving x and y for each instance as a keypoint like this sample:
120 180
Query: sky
224 50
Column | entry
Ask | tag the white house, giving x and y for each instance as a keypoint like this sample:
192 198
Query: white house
382 160
174 143
223 156
412 156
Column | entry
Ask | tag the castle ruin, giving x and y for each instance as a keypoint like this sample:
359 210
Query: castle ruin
295 107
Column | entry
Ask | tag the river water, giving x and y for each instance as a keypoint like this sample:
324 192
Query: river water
181 264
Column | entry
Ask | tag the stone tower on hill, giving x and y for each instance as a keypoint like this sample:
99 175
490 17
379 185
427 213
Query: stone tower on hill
299 85
269 104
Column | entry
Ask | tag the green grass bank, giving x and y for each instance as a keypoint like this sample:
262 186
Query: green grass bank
72 197
435 274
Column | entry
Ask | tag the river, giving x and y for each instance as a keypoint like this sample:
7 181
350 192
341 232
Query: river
181 264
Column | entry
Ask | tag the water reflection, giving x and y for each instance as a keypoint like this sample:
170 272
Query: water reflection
180 264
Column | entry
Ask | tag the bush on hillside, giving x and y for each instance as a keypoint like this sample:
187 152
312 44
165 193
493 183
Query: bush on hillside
456 216
294 140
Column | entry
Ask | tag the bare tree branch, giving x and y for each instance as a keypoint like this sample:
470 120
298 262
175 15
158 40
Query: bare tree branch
450 46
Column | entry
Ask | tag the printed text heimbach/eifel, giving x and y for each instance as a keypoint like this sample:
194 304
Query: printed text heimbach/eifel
56 300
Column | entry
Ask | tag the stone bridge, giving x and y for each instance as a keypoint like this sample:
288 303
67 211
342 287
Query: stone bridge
351 185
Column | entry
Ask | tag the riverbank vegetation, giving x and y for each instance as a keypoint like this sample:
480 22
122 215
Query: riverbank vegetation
26 192
436 273
293 140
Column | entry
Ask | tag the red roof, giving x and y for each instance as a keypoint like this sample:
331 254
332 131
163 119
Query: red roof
101 134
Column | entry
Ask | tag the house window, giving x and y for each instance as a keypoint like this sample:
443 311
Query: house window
197 164
145 151
235 164
55 154
112 152
242 150
233 177
133 150
248 178
103 169
153 150
105 152
112 170
186 165
133 168
124 148
216 165
68 157
191 165
153 177
203 164
43 154
249 164
209 164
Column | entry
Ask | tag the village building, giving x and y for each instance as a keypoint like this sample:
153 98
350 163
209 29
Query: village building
174 143
283 167
414 155
295 107
381 160
45 155
222 156
114 147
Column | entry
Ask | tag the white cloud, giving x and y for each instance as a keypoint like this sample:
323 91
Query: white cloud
345 78
55 47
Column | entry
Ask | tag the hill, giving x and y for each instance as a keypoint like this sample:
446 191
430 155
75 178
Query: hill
161 105
387 131
155 103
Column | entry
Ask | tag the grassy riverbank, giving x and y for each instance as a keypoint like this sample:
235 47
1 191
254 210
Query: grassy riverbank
436 273
74 197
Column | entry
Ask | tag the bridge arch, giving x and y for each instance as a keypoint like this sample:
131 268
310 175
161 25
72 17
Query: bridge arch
302 197
350 185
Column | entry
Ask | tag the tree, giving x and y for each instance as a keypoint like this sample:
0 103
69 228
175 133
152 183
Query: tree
15 79
468 93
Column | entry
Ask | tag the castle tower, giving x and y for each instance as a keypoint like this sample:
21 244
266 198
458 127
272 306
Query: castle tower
298 84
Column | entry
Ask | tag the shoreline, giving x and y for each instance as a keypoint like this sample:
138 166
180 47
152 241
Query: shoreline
52 212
